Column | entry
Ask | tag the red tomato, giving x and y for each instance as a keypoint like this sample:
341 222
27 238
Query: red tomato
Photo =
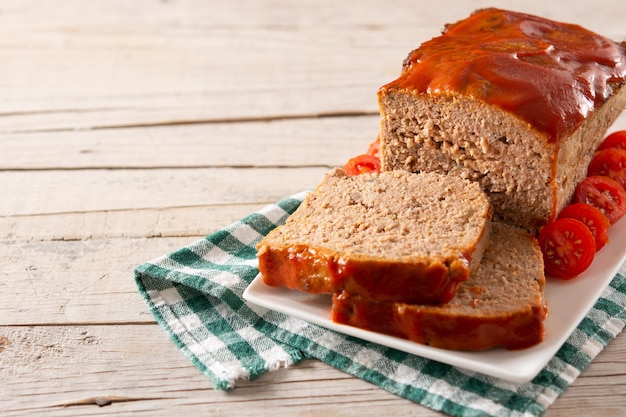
374 148
362 164
603 193
568 248
614 140
611 163
591 217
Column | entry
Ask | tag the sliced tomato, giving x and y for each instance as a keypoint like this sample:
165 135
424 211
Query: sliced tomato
596 222
614 140
374 148
568 248
611 163
604 194
362 164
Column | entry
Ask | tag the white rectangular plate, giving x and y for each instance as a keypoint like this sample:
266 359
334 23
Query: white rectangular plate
568 303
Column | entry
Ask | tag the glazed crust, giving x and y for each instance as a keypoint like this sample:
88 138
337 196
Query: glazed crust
320 271
501 305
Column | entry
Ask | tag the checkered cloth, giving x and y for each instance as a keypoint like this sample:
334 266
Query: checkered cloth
195 294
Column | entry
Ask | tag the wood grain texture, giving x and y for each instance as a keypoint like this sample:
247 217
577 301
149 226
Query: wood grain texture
130 129
272 143
29 193
105 370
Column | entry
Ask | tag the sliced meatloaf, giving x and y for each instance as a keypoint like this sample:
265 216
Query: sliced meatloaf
516 102
394 236
502 304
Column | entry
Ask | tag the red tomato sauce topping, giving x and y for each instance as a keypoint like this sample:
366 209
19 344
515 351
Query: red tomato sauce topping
552 75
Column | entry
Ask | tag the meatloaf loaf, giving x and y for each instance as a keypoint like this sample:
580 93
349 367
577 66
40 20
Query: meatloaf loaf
516 102
502 304
395 236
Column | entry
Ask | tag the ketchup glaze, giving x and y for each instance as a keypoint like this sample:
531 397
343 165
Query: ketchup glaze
553 75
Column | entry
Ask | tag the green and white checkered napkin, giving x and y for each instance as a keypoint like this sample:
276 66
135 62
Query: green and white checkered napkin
195 294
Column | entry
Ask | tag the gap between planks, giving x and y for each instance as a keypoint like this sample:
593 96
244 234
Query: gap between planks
180 122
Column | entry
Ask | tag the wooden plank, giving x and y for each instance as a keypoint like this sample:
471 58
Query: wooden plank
286 143
326 141
60 371
136 370
299 142
308 14
141 223
78 267
77 281
45 192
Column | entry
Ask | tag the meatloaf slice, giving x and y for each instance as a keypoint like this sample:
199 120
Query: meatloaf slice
502 304
394 236
516 102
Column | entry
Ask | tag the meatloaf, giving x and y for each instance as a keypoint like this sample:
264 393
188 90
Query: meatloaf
513 101
502 304
395 236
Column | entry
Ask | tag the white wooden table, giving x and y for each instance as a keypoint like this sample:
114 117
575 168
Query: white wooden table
131 128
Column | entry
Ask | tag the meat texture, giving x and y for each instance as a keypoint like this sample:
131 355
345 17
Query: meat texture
395 236
515 102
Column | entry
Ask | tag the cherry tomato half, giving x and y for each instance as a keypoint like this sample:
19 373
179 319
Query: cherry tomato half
596 222
604 194
614 140
568 248
611 163
362 164
374 148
